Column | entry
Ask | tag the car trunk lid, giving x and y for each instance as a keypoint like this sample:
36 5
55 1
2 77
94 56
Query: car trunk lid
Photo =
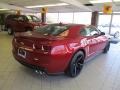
36 40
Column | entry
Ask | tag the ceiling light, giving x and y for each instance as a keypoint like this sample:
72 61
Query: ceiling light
3 9
48 5
100 1
116 0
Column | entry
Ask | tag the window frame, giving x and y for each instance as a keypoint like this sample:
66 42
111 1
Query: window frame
90 27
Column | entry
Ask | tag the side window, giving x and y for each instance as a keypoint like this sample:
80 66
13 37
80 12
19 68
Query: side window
89 31
85 32
35 19
20 18
94 31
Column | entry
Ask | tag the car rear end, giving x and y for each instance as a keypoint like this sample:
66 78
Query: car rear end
46 53
29 54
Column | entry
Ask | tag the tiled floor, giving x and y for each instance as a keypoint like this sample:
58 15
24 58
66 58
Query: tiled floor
101 73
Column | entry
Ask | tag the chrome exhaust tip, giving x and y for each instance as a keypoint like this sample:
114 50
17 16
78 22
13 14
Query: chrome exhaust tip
40 72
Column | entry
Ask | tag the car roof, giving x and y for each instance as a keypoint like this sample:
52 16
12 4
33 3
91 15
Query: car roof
69 24
74 28
15 15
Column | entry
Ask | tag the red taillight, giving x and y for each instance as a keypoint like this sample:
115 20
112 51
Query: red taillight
34 46
47 48
43 47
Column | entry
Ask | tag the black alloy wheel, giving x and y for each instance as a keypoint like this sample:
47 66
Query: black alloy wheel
10 31
117 34
107 47
76 64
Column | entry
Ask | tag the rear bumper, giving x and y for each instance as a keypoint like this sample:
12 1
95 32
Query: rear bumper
31 63
32 66
50 64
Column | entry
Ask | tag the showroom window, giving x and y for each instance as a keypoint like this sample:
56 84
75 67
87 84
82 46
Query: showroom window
66 17
115 26
104 23
76 17
82 17
52 17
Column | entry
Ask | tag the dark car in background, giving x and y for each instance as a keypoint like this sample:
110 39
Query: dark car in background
21 23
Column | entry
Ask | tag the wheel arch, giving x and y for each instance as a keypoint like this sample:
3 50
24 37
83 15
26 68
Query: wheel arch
68 66
80 49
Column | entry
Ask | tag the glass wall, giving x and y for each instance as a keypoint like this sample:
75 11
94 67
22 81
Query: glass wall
66 17
115 26
74 17
110 24
104 23
82 17
52 17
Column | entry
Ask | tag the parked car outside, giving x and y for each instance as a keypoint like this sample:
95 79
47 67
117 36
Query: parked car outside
114 31
59 48
21 23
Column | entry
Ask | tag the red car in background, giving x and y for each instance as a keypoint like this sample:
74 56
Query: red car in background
21 23
59 48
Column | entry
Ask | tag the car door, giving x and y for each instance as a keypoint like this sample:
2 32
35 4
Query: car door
101 39
95 41
89 35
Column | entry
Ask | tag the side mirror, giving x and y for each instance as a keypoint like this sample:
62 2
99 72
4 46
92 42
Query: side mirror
102 33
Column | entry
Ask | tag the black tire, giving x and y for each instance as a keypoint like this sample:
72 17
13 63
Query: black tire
76 64
116 35
10 31
106 49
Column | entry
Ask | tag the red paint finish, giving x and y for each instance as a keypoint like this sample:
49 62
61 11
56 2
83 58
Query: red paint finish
55 53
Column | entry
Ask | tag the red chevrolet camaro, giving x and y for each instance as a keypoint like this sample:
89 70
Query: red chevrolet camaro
59 48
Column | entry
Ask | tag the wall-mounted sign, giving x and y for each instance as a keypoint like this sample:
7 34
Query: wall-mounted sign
18 12
107 9
44 10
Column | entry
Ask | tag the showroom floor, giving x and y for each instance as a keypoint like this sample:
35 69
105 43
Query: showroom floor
101 73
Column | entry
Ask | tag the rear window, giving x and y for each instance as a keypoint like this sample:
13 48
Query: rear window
33 18
54 30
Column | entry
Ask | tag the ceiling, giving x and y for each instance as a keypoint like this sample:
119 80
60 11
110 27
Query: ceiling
74 5
29 2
